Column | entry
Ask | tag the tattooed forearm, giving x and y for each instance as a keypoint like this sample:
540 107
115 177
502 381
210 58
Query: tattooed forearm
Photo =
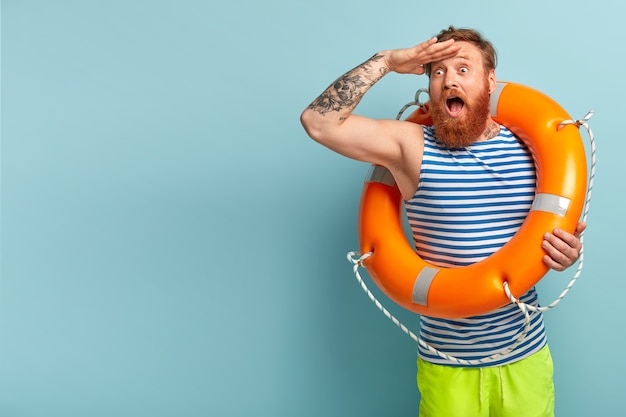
346 92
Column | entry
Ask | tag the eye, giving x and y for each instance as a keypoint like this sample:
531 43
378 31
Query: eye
464 69
438 72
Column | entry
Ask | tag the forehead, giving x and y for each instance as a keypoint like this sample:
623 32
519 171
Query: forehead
467 52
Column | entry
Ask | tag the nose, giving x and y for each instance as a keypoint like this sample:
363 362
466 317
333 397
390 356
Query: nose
450 81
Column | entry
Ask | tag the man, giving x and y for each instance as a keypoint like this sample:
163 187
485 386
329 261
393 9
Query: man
464 146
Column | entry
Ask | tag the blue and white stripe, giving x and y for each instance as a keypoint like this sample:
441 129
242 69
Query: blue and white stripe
469 202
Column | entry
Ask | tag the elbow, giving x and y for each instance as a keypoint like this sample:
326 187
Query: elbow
312 124
317 126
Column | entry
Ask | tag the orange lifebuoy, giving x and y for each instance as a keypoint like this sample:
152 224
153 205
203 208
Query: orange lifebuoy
419 286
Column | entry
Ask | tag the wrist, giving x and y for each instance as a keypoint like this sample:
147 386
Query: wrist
386 65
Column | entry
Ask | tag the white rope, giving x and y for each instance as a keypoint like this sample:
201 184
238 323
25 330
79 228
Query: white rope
357 260
579 267
417 102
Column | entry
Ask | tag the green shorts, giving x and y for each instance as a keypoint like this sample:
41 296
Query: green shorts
524 388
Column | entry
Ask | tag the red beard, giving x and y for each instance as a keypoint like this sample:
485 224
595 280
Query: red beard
461 132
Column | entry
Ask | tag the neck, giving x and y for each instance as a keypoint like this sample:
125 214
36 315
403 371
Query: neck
491 131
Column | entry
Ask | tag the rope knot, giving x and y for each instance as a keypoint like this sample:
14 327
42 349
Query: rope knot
357 259
577 123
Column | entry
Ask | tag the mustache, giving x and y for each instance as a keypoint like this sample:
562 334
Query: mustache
453 92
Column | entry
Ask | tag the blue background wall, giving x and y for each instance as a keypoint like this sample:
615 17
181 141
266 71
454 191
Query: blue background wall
174 244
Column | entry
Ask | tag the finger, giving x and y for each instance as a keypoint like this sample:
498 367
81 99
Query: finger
419 70
580 228
559 255
431 41
424 45
555 258
568 238
552 264
442 50
562 250
431 50
558 246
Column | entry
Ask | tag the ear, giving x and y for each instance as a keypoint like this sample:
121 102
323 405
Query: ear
491 77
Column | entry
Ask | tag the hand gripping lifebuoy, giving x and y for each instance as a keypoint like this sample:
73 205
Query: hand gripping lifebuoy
416 285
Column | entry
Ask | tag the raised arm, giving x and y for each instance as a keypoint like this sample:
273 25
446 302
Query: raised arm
329 119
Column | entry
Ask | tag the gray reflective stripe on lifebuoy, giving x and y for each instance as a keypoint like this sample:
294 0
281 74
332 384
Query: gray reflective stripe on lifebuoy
551 203
495 97
378 173
422 285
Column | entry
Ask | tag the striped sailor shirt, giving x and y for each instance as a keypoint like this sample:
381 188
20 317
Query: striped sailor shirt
469 202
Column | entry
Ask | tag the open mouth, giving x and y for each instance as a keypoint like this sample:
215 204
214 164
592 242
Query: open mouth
454 105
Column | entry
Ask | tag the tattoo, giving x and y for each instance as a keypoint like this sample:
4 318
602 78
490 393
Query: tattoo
491 131
347 90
